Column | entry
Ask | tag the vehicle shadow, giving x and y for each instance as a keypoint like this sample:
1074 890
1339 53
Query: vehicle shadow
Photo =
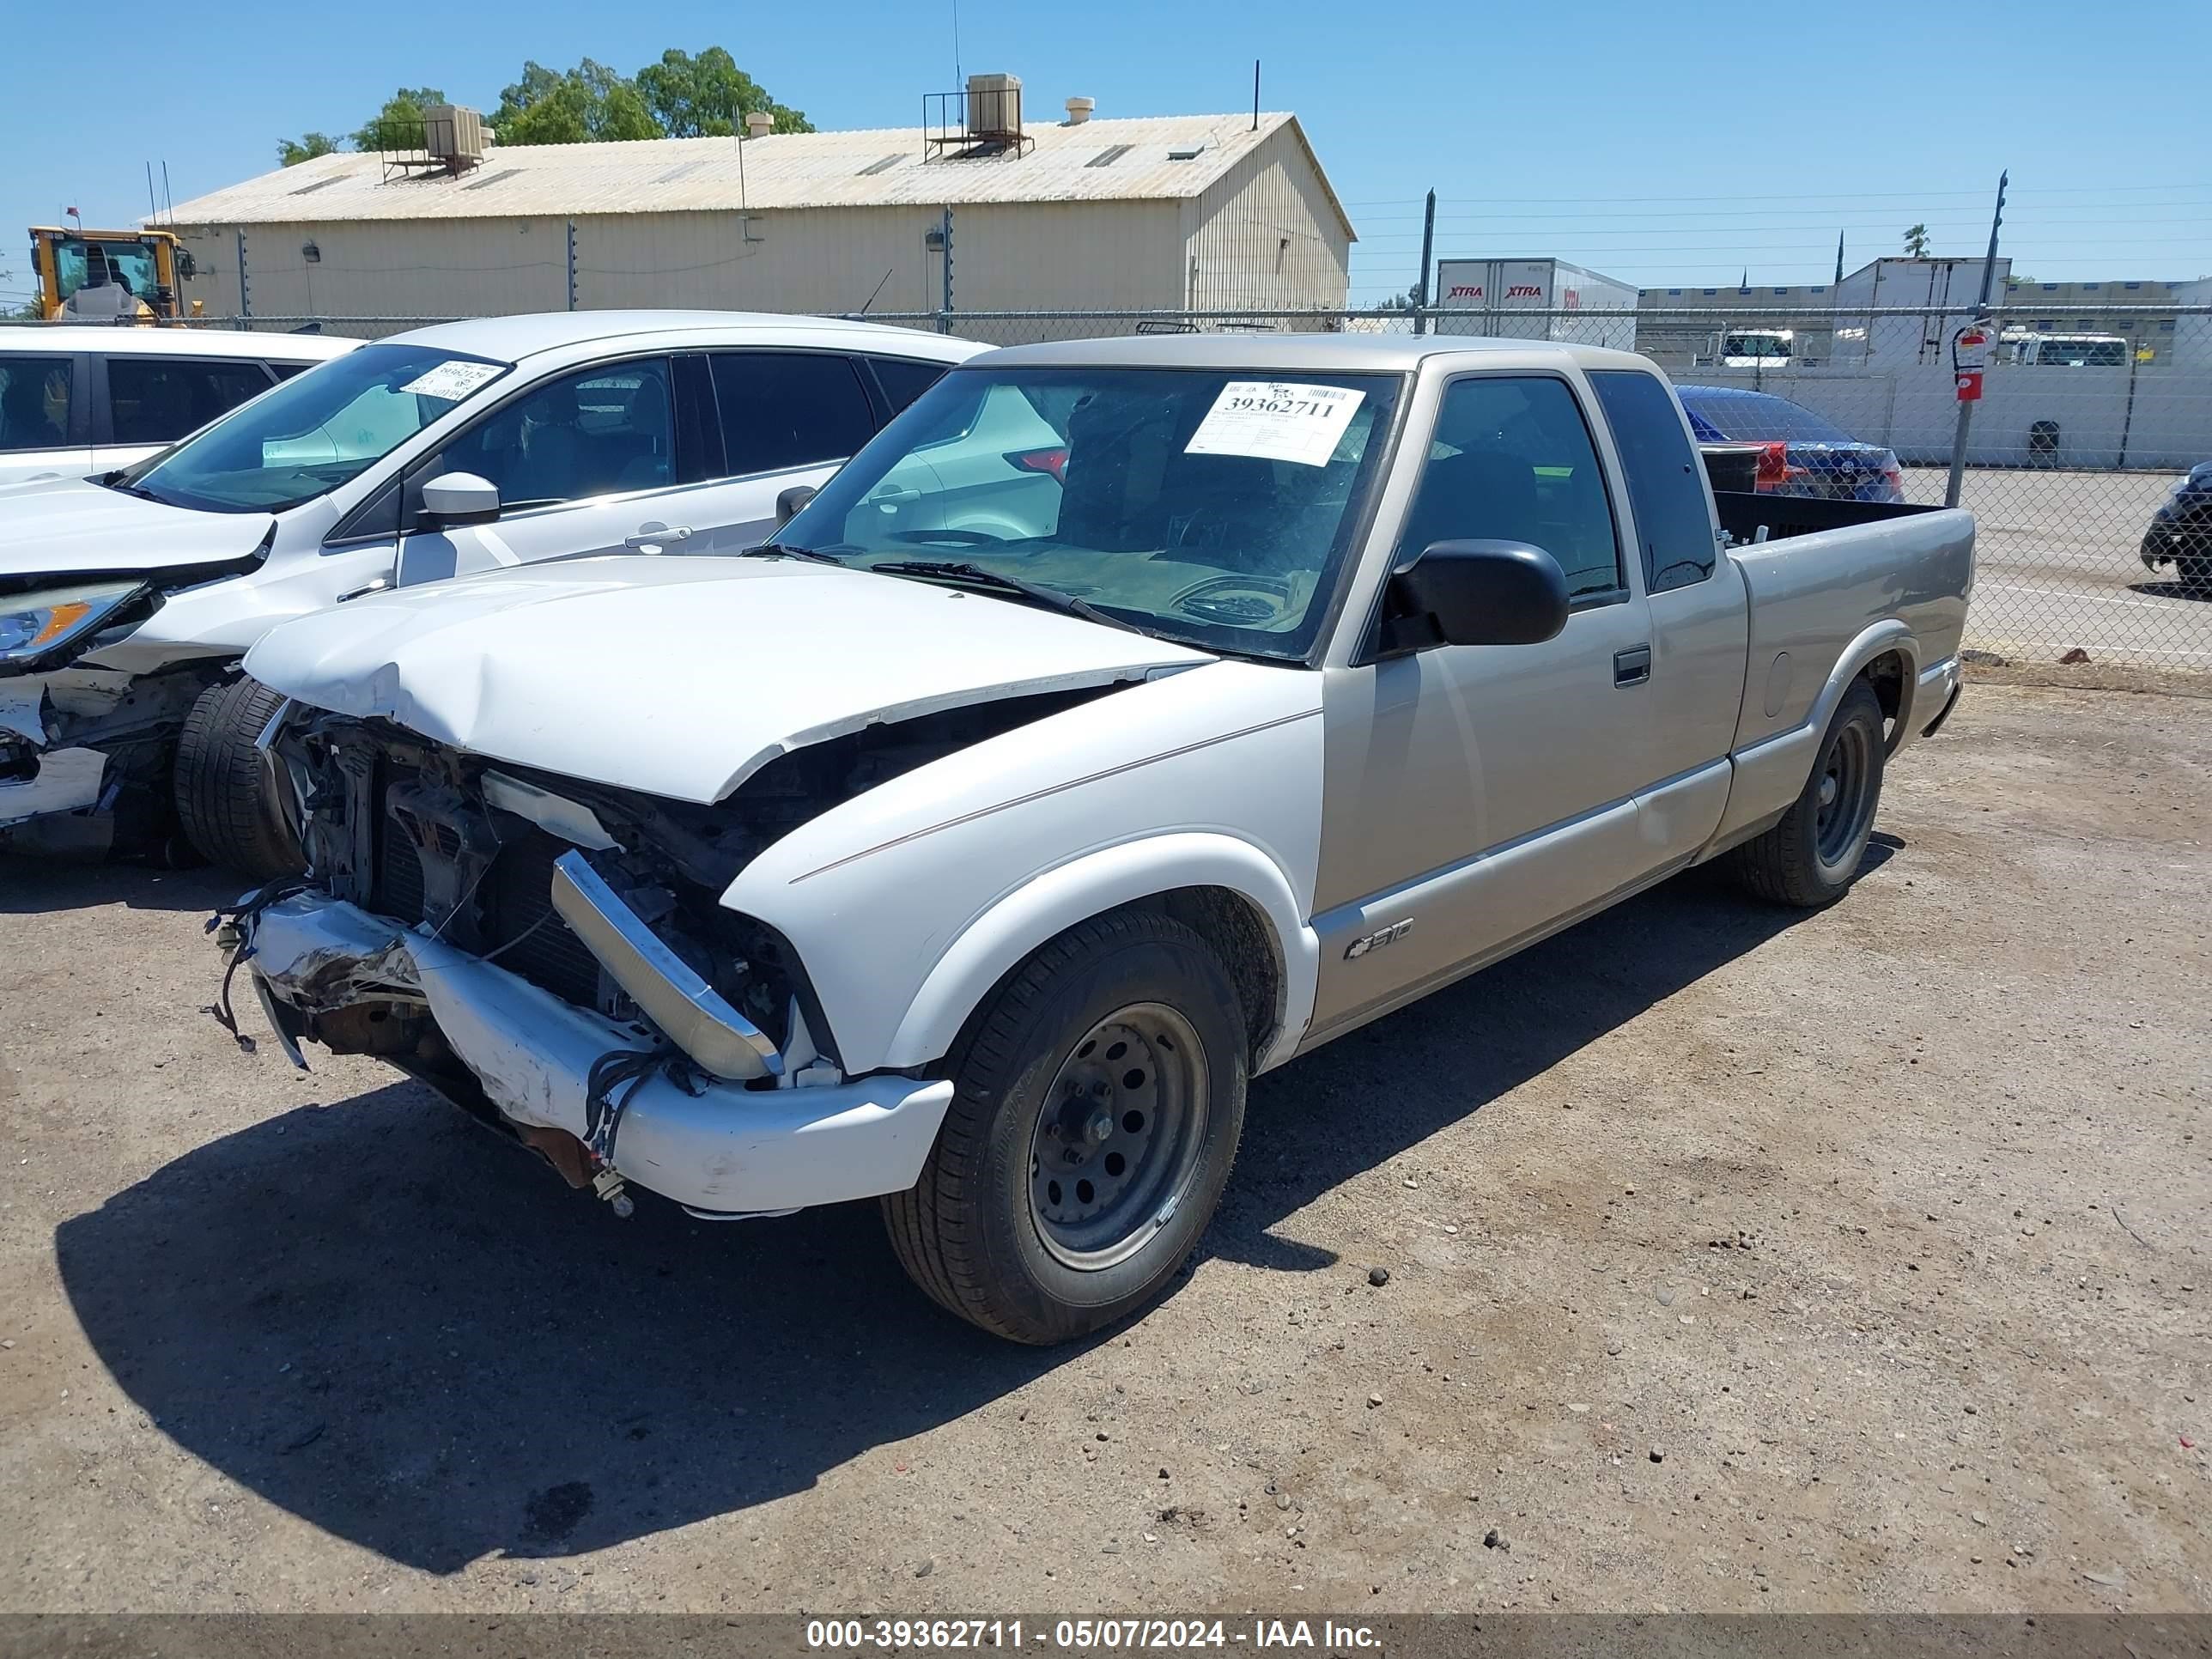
389 1323
2172 590
34 886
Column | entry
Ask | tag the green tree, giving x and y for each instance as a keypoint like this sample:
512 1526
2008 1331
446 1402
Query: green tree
709 96
1915 242
398 124
590 102
293 151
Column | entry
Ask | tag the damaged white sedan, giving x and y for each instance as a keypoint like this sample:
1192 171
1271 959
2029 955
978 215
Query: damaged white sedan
1129 718
127 599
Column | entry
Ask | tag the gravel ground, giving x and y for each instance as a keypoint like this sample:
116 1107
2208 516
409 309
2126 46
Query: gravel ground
1736 1260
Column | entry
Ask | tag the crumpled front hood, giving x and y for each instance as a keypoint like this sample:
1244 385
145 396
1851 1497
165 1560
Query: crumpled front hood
681 676
72 526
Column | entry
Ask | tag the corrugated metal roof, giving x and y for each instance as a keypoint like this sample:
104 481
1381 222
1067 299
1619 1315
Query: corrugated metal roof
1097 161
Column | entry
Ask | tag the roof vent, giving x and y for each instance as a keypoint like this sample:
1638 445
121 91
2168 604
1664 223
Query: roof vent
1078 110
759 124
1186 152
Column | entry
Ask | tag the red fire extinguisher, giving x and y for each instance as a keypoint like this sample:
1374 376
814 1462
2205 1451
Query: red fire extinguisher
1970 350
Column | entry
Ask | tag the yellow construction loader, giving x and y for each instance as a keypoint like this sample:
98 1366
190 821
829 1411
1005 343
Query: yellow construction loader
109 275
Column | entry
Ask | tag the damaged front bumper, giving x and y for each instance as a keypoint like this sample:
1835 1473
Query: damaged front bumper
715 1147
84 756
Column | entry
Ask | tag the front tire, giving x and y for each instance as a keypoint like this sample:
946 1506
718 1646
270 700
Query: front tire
2194 573
1810 858
1099 1096
222 789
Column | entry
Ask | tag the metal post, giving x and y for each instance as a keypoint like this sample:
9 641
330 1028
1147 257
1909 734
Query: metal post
944 307
572 264
1428 250
1951 491
245 297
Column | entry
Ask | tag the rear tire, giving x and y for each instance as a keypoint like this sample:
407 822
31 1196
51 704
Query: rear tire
222 793
1099 1096
1811 857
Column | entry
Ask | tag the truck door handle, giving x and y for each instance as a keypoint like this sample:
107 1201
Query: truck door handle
1631 666
656 535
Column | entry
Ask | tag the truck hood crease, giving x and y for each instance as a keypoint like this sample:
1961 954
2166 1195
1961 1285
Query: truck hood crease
682 677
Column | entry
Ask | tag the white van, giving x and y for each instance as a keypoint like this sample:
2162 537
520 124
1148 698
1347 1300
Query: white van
80 399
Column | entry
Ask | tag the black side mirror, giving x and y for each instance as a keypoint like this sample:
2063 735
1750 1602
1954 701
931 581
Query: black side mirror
788 503
1475 593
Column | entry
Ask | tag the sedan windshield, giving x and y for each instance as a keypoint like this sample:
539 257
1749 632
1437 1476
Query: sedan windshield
314 432
1213 508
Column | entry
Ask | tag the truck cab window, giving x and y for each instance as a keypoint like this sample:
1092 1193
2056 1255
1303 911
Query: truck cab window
1511 460
1665 480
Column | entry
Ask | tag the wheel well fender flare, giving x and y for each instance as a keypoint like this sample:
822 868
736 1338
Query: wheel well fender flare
1881 639
1001 937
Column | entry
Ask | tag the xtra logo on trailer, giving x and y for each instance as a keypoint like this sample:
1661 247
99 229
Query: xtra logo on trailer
1525 291
1464 291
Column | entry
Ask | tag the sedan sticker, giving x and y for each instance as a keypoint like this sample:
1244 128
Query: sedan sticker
1276 420
453 380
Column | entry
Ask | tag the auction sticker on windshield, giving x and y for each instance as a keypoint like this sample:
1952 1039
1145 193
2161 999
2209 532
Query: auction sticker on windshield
1276 420
453 380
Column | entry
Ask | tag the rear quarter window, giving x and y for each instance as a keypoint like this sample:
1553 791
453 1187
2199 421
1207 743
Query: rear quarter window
1666 481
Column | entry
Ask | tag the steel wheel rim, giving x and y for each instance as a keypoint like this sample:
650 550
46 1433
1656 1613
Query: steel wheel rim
1115 1146
1843 812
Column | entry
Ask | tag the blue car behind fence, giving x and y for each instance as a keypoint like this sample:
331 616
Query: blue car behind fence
1802 453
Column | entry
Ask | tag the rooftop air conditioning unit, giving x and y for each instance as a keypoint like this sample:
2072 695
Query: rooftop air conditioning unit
455 135
994 106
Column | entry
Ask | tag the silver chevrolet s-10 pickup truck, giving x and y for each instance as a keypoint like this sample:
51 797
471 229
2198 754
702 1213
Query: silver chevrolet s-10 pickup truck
1128 718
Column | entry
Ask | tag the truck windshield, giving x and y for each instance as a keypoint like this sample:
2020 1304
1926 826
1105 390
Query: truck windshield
1209 507
314 432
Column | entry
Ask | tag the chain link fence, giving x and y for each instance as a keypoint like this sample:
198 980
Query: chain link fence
2078 446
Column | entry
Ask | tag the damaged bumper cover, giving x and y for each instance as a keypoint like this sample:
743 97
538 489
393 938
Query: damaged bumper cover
714 1146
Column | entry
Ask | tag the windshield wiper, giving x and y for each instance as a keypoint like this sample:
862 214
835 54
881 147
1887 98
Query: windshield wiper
1051 597
779 550
139 490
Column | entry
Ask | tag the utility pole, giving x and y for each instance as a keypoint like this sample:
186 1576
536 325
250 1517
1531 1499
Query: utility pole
572 264
1958 482
1428 250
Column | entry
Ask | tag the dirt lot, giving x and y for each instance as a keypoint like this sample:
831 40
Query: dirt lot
1736 1261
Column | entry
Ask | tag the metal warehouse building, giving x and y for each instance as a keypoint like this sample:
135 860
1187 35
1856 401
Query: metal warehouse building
1225 213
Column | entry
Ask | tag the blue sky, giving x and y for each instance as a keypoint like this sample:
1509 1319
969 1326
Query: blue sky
1659 142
